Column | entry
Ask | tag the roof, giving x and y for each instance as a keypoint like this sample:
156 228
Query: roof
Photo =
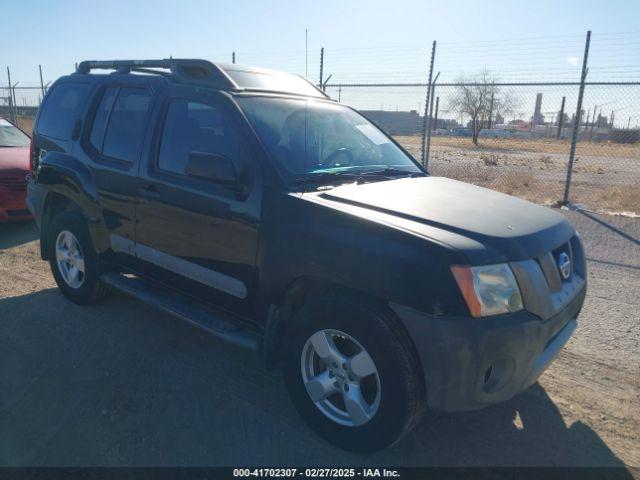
222 76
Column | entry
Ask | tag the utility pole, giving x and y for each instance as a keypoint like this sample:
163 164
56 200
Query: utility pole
339 93
41 82
233 57
423 151
629 124
321 64
561 119
576 125
306 53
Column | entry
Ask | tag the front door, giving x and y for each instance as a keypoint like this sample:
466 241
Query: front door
200 235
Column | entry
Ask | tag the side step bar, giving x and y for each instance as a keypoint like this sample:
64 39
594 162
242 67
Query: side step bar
219 323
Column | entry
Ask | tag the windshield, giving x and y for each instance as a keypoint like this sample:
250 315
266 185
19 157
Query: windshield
11 136
309 137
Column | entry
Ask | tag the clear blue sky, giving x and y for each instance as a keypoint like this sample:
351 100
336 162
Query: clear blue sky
364 40
58 33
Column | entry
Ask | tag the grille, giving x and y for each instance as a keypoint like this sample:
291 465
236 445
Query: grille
15 183
549 263
18 213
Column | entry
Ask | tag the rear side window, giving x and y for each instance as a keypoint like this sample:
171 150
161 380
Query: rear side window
62 109
101 117
126 124
195 127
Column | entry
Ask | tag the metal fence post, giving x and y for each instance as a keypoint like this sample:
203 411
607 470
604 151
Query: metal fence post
11 106
576 125
430 121
435 115
423 151
41 83
321 65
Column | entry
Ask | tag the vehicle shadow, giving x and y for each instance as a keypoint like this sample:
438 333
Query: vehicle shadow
119 384
528 430
14 234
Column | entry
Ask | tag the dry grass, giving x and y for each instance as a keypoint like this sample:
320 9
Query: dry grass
605 176
541 145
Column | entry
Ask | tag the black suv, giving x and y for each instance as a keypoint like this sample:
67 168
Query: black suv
250 204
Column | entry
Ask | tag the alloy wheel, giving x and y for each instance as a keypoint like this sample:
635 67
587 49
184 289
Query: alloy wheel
70 259
340 377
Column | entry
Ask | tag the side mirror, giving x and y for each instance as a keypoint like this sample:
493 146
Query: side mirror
212 166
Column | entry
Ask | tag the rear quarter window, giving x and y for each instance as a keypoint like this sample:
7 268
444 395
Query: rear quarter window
62 109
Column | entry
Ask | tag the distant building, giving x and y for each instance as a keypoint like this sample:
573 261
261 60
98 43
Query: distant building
396 123
405 123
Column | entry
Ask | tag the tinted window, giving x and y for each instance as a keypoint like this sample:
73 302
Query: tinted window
61 110
101 116
307 136
195 127
127 124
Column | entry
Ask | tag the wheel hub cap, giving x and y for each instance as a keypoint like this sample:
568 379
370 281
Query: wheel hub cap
70 259
340 377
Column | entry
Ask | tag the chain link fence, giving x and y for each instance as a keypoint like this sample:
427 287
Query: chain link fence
524 149
499 114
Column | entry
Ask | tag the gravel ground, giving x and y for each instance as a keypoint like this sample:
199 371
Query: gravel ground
120 384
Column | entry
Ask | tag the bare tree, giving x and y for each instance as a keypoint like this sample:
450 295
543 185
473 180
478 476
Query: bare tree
480 100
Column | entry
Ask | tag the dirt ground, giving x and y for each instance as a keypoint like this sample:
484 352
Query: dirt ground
605 175
25 123
120 384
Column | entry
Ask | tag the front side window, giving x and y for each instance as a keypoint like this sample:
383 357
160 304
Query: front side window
12 136
195 127
61 110
307 136
127 124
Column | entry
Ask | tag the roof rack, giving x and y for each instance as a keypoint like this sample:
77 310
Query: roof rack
205 73
192 71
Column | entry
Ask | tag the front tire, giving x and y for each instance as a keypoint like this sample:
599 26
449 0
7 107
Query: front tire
352 373
73 260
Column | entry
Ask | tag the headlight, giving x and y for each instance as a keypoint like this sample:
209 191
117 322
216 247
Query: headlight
488 289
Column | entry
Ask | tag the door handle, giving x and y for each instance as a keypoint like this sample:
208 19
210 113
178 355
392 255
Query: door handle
150 192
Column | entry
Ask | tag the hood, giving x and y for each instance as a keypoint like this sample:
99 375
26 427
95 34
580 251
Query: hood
486 225
14 158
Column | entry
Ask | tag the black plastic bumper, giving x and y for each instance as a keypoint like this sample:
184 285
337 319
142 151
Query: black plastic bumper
470 363
36 195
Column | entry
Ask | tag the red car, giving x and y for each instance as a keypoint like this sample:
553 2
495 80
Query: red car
14 167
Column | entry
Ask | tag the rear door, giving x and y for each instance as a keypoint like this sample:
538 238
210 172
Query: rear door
112 144
200 236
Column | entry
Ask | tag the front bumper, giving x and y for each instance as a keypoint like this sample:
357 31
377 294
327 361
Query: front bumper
36 195
13 206
470 363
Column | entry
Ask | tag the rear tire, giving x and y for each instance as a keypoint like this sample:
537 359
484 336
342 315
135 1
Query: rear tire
73 260
389 364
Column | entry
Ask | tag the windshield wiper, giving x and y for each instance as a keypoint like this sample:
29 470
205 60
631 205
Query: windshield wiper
322 177
328 178
391 172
